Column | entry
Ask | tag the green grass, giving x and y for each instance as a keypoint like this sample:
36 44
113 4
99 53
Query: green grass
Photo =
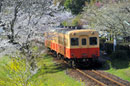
52 74
122 73
49 73
3 61
120 68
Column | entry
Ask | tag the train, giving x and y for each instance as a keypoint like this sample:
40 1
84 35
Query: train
74 45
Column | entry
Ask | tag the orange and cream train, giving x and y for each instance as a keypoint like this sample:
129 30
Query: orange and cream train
74 45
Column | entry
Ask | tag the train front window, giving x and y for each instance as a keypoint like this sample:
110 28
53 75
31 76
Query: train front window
84 41
74 41
93 40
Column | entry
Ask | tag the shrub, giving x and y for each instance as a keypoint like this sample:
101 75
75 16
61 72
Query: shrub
123 46
65 23
76 21
109 47
102 42
120 54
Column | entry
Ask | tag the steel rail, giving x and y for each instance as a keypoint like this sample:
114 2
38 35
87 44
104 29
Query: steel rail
120 84
99 82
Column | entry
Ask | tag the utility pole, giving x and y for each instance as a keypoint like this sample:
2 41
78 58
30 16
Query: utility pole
114 44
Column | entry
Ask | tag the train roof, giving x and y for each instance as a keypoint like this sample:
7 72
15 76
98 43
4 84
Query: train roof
83 30
69 30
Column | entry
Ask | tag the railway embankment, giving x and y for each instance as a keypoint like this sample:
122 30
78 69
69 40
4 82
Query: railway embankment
49 73
53 72
116 62
93 76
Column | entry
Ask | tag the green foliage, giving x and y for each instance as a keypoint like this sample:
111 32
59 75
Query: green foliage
120 60
52 74
125 44
109 47
15 72
122 73
76 21
125 47
59 1
102 42
120 54
35 48
74 5
65 23
120 65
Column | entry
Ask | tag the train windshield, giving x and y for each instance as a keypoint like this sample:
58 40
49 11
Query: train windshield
93 41
84 41
74 41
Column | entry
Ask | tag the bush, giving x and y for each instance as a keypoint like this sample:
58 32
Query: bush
102 42
109 47
76 21
119 59
65 23
124 46
120 54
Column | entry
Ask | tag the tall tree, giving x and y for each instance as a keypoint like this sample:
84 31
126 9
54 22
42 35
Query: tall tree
25 21
110 17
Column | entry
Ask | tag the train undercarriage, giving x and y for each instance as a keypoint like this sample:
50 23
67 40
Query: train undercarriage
75 62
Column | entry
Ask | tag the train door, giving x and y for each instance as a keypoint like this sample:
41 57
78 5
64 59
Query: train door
84 48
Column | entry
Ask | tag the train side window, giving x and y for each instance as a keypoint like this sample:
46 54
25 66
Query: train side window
74 41
84 41
93 41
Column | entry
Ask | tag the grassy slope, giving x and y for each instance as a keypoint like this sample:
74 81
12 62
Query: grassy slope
122 73
120 68
49 74
53 75
3 61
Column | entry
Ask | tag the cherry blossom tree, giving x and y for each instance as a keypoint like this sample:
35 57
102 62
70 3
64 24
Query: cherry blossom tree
22 26
109 17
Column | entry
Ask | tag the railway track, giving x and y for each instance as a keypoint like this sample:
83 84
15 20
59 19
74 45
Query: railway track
99 78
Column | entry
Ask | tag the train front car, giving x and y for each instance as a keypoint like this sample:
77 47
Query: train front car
83 46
